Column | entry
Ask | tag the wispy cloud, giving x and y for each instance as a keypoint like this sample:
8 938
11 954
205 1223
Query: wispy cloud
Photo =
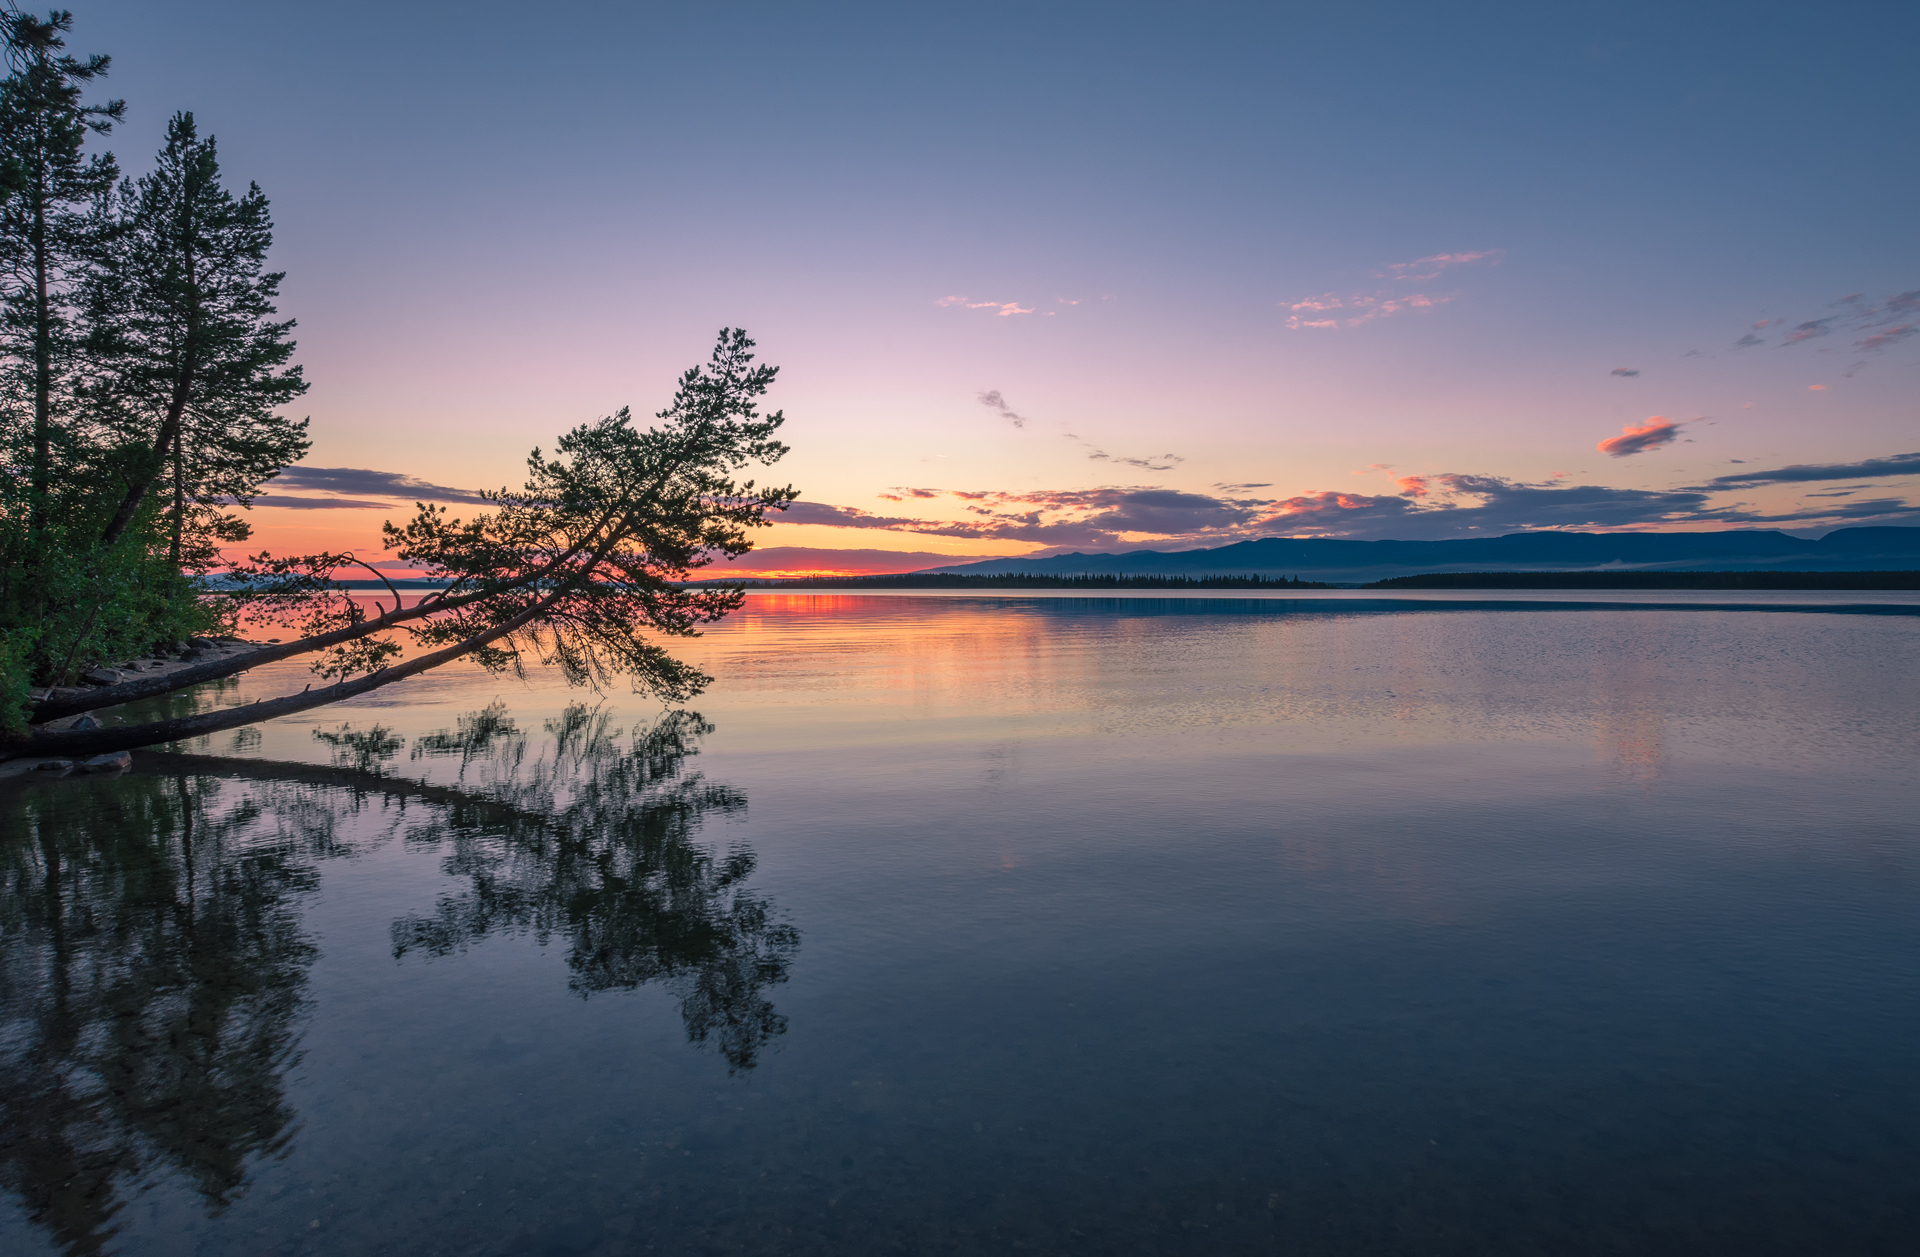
1639 438
1430 267
1360 309
1812 329
1165 462
1000 308
1331 310
1884 324
993 401
1629 371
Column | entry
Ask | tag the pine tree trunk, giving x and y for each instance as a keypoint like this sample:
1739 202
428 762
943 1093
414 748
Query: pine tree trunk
169 429
179 497
42 488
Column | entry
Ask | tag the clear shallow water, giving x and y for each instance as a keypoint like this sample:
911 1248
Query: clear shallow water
1007 924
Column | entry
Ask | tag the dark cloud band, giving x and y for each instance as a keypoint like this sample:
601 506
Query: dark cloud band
362 480
1430 507
1892 465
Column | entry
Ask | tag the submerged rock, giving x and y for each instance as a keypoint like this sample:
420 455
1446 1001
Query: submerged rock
114 761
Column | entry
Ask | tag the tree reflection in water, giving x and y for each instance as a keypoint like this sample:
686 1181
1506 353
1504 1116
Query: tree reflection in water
154 957
597 846
153 968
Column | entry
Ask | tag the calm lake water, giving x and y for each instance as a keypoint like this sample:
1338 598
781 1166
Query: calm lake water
992 924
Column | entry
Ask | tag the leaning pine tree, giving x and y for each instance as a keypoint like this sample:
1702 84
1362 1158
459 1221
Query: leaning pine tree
579 570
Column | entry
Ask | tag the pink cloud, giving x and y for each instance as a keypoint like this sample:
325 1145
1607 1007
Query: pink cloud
1809 330
1413 486
1329 513
1001 308
1367 308
1393 306
1428 267
1892 336
1652 434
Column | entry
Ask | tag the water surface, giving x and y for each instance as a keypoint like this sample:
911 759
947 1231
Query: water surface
981 924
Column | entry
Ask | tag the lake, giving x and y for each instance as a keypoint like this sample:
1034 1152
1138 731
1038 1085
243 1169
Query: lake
1333 924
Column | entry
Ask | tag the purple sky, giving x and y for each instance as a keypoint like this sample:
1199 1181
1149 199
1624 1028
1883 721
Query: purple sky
1093 276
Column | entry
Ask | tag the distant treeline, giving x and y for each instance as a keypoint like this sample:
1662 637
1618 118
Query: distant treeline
958 580
1654 580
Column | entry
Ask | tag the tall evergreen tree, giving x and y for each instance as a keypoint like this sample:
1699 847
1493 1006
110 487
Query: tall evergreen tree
46 234
193 365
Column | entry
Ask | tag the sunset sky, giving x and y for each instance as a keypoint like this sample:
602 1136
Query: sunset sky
1071 276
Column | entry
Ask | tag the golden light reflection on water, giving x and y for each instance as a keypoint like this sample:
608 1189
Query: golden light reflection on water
1158 679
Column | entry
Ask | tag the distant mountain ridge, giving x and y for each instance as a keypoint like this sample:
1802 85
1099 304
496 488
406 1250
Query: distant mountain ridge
1323 559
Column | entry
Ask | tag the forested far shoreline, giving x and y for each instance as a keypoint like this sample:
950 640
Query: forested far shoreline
1431 580
955 580
1653 580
